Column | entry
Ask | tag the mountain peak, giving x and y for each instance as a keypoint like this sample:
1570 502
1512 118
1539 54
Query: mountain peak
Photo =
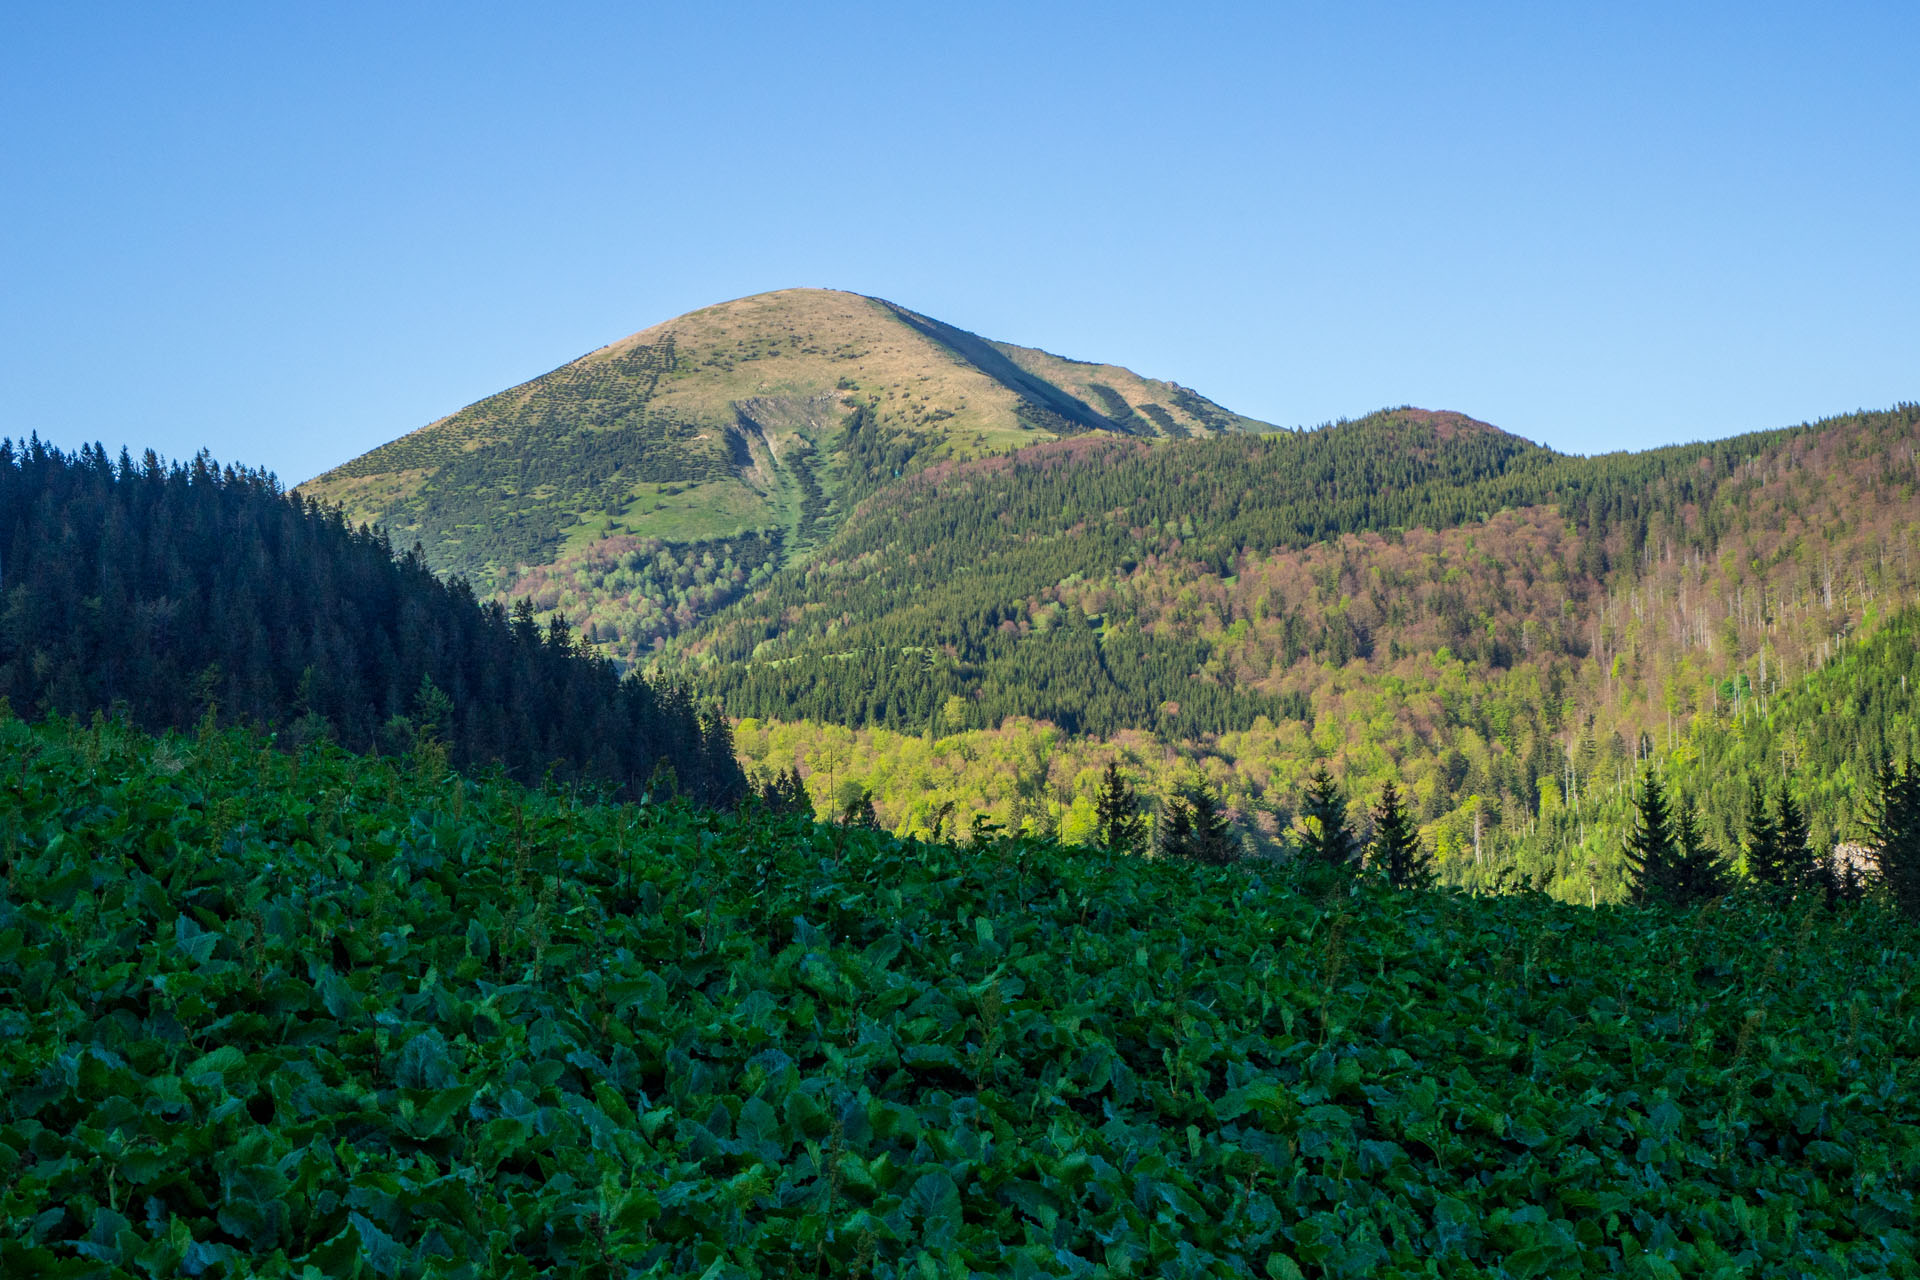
796 310
743 430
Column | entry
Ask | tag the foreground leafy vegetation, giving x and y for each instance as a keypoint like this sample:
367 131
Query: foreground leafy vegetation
262 1012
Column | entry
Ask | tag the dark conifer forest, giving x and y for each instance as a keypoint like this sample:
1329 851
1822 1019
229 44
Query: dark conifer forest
174 593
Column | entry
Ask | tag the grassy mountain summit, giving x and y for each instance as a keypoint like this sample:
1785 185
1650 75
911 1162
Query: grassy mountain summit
691 459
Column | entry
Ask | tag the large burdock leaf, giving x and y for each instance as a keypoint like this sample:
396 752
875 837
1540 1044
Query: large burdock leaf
1455 1224
1281 1267
380 1251
424 1063
760 1125
109 1239
427 1118
338 998
1270 1101
935 1201
195 943
216 1065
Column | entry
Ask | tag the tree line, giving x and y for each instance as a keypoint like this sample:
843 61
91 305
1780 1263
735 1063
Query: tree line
1190 824
180 592
1670 861
934 587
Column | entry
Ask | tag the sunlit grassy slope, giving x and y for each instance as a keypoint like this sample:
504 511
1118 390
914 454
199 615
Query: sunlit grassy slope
762 419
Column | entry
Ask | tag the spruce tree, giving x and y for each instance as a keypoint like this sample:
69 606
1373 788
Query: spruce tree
1653 856
432 710
1903 875
1699 873
1121 826
1325 838
1173 834
1193 828
1798 865
1211 841
1837 879
786 793
1397 850
1893 833
1766 863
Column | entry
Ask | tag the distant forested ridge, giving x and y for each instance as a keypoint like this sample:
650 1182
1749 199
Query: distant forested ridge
1507 633
1013 586
178 592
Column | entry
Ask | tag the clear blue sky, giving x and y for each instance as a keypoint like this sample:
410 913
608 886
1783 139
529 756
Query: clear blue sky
290 233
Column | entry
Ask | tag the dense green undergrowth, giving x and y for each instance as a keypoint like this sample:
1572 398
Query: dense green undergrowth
261 1013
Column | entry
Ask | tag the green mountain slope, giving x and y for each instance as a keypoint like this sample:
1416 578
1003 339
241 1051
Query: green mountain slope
976 579
644 484
938 586
276 1014
1503 631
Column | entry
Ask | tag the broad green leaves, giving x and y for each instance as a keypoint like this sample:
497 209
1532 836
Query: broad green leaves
467 1038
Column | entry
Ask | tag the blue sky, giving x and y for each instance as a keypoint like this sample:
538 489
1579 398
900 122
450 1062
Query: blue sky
290 233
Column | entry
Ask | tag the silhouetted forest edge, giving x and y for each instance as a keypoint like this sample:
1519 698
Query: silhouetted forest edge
173 593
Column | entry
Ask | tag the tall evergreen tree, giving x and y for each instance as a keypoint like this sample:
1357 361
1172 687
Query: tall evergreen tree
1325 838
1798 863
1193 828
1893 833
1653 856
1173 833
1121 826
1700 875
1766 860
786 793
1397 851
1212 841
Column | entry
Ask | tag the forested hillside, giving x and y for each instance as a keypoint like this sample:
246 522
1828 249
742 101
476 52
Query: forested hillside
909 556
1504 631
177 593
302 1013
